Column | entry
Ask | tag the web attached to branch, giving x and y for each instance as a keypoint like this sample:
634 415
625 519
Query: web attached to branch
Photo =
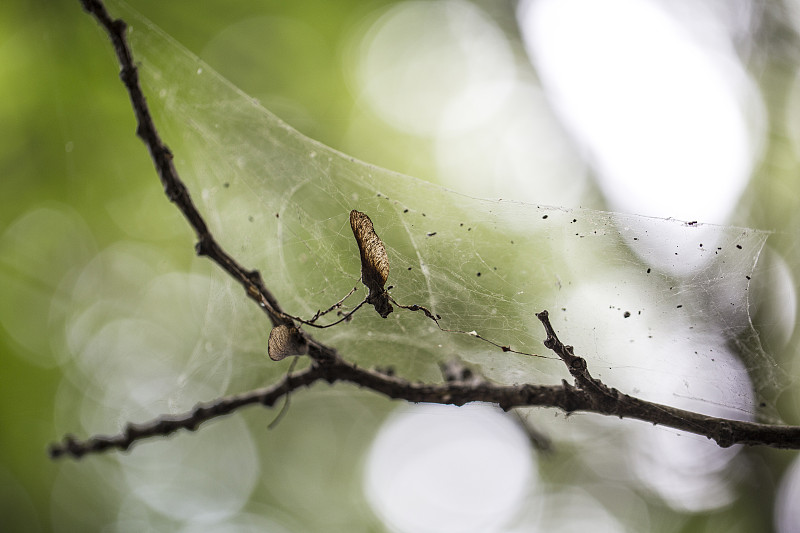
659 308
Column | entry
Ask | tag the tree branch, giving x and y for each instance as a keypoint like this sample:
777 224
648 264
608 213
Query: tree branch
587 394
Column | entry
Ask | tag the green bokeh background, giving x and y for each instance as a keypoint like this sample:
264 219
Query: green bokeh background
68 140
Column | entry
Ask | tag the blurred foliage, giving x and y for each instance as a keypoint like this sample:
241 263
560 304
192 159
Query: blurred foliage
69 144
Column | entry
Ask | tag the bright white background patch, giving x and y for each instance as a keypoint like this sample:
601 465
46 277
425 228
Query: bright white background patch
437 468
667 115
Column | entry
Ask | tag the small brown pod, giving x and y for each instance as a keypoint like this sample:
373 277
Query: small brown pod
285 341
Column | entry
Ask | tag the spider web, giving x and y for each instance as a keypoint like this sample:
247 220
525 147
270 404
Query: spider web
658 307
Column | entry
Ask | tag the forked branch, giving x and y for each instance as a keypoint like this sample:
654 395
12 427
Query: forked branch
588 394
585 394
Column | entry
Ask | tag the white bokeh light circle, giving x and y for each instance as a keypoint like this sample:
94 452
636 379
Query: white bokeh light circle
519 153
673 124
203 477
435 468
688 472
420 64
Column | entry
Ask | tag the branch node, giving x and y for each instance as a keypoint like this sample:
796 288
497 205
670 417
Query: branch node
66 446
254 276
176 192
119 26
578 364
141 132
724 436
571 401
204 246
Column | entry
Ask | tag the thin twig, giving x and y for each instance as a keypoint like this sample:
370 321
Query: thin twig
190 420
337 305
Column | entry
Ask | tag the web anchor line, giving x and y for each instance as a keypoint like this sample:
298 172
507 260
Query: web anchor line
473 333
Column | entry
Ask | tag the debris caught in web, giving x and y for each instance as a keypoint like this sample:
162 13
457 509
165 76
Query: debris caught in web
374 262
